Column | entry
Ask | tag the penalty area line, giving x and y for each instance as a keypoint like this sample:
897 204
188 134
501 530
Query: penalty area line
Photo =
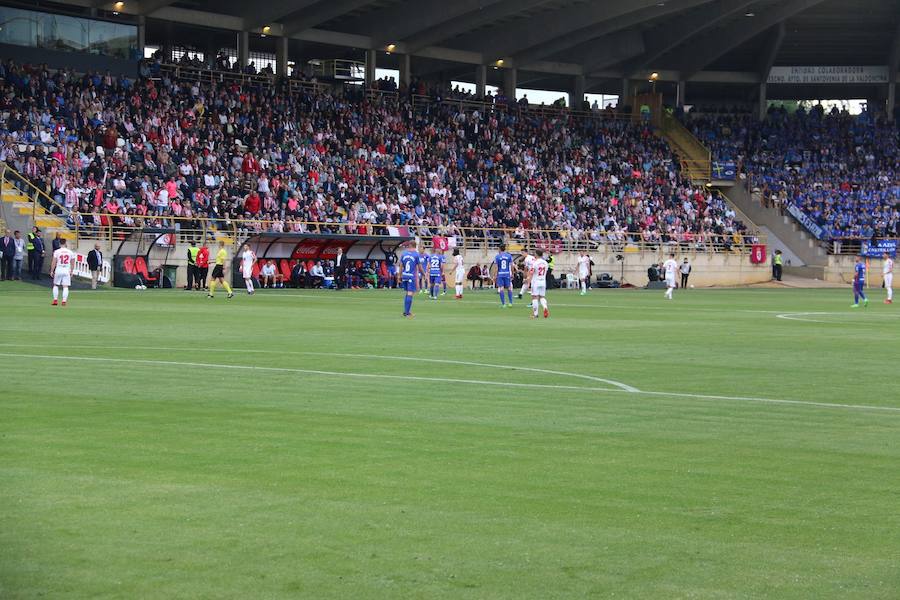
707 397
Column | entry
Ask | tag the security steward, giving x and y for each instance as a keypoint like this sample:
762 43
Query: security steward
192 274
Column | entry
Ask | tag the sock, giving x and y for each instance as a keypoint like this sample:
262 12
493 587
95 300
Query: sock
407 304
212 287
436 290
522 291
249 284
227 286
459 290
502 298
65 294
855 297
890 292
543 303
534 306
509 294
56 292
583 286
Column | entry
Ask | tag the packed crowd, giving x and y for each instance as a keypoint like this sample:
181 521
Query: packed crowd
152 152
842 171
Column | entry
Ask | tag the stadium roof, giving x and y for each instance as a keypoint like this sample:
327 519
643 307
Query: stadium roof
551 40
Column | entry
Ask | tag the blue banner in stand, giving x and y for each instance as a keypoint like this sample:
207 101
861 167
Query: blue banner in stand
724 170
806 221
878 248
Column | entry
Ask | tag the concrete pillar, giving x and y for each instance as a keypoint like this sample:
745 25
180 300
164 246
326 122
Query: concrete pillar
212 50
510 83
891 100
679 94
576 96
281 56
243 48
370 66
405 73
763 102
625 96
480 81
141 36
167 43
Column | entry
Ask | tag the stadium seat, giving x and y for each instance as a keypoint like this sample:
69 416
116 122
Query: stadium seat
285 268
140 266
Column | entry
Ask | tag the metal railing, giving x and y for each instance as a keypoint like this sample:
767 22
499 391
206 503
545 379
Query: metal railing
852 246
697 161
112 227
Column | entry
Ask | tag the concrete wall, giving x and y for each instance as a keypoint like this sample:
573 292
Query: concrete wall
840 270
709 270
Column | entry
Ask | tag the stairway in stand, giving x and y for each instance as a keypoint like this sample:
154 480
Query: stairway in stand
18 204
695 159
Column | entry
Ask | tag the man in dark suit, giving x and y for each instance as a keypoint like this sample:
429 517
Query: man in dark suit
7 252
95 263
298 274
340 269
36 257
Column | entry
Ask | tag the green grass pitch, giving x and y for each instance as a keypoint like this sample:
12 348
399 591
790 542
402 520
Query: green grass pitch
728 444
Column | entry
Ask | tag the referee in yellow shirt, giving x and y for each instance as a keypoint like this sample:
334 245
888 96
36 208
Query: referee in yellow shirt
218 274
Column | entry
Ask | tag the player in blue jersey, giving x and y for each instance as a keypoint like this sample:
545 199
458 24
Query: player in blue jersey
423 272
503 262
859 283
435 272
410 272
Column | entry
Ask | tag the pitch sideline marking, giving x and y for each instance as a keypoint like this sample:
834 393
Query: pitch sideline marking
891 409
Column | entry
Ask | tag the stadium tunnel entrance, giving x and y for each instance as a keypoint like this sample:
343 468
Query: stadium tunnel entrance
284 249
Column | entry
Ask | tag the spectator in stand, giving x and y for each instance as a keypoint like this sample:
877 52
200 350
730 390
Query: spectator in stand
841 170
255 157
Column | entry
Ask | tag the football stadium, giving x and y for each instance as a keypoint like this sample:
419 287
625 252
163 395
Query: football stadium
469 299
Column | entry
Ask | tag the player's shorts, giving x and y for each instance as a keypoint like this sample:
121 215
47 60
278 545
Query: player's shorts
538 289
582 275
503 281
859 285
670 281
247 273
888 280
436 279
460 276
218 271
63 279
408 285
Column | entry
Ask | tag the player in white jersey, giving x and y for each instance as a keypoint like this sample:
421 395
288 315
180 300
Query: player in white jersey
247 260
888 270
528 264
539 270
459 269
671 269
584 271
61 271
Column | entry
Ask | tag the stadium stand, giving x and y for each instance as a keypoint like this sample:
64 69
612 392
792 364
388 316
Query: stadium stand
112 151
840 170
